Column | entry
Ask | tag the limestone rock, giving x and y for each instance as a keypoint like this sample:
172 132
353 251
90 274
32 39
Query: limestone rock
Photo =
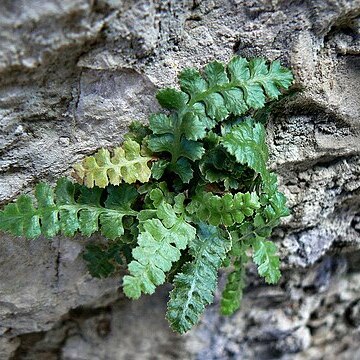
74 74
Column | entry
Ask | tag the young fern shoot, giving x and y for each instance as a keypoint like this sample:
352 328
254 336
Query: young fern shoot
183 196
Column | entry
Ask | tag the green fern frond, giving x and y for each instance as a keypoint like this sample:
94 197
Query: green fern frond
159 244
22 218
223 210
233 291
194 287
102 261
254 233
266 259
265 251
208 97
68 212
246 142
126 164
236 87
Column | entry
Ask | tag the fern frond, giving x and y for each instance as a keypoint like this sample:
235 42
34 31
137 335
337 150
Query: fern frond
226 210
233 291
194 287
236 87
218 166
126 164
23 218
246 142
159 244
208 97
266 259
103 260
265 251
256 232
68 212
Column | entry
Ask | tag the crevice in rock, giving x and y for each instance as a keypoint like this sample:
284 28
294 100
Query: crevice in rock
57 266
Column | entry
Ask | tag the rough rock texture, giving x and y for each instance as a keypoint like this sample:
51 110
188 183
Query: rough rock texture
74 73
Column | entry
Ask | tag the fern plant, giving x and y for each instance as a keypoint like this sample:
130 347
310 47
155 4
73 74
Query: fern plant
183 196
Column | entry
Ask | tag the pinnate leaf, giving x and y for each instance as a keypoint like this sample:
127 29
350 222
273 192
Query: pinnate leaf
226 210
210 96
247 143
159 244
268 262
235 88
64 210
126 164
233 291
87 215
194 287
23 218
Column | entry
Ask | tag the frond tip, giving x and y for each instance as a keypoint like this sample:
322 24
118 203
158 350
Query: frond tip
196 284
246 142
69 208
126 164
159 244
233 290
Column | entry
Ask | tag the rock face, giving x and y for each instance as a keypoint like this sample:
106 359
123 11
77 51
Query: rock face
74 73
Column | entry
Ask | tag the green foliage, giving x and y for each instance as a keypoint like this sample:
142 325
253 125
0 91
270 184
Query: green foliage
185 195
159 244
207 98
195 285
69 209
246 142
260 228
268 263
227 209
104 260
218 166
233 291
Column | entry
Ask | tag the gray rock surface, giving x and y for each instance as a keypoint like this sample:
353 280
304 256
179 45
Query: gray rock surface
74 73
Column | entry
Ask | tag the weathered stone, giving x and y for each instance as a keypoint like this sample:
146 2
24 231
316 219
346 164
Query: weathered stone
74 74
